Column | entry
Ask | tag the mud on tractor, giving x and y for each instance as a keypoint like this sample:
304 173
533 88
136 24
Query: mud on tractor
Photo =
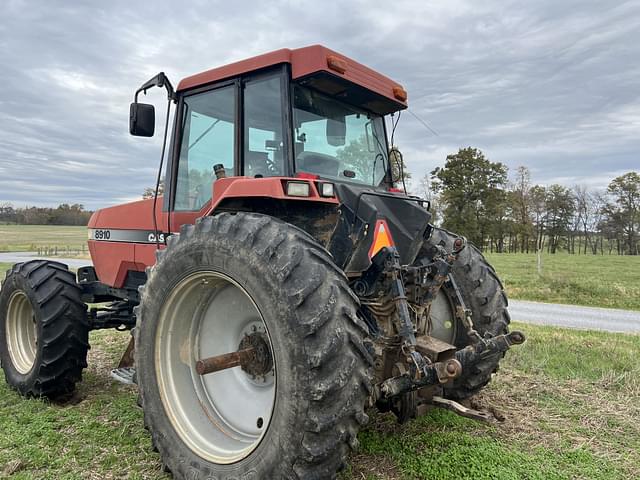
279 288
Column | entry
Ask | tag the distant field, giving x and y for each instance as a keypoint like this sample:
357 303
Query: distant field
28 238
600 281
570 402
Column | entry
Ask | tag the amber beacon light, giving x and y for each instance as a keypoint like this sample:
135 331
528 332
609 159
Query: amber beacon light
400 93
336 64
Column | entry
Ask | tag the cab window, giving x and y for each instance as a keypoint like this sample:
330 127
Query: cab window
263 121
207 140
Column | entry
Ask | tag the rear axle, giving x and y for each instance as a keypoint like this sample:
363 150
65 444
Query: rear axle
224 361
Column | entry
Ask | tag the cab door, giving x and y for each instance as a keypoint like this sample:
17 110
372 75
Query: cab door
241 124
208 137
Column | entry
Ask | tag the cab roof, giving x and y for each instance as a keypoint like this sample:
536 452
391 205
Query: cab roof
334 68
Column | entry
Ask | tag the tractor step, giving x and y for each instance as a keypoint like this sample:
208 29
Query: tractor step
124 375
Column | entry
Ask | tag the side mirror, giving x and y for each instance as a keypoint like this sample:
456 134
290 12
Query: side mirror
142 119
336 131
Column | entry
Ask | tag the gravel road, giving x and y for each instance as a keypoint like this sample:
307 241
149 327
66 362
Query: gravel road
573 316
15 257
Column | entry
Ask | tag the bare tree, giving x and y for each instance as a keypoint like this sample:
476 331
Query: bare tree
521 207
425 191
537 197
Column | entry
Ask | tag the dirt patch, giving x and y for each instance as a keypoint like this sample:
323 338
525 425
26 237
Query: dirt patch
368 466
14 466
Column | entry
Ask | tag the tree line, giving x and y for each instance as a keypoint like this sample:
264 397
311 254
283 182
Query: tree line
63 214
474 197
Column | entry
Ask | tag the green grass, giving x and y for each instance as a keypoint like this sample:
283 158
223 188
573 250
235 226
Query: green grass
570 401
98 434
610 281
23 238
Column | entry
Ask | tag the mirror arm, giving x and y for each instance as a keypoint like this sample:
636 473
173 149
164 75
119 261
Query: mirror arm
160 80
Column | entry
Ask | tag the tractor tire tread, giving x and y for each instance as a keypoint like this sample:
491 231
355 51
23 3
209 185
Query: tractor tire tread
336 356
63 333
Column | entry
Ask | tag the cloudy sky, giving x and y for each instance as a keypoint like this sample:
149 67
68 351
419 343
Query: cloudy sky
547 84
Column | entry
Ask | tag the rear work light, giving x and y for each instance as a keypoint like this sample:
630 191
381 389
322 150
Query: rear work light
326 190
298 189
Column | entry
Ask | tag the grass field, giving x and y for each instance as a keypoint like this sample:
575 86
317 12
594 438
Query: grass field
601 281
28 238
570 402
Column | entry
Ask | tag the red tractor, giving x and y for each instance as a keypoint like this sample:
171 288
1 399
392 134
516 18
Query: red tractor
279 287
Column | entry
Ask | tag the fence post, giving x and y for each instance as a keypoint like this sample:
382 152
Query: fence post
539 262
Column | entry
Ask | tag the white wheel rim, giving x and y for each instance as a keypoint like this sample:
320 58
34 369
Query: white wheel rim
442 319
22 332
222 416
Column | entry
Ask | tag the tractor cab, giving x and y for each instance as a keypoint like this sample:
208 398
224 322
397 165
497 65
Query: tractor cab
264 125
295 134
308 112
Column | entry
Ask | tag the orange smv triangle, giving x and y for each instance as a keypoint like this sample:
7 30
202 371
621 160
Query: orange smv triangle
381 238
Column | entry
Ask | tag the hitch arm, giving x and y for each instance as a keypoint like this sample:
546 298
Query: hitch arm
442 372
472 354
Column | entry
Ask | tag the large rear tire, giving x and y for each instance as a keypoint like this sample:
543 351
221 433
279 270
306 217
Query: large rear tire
44 332
482 293
215 283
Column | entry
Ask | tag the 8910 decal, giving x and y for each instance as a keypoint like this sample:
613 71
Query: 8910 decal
102 234
126 236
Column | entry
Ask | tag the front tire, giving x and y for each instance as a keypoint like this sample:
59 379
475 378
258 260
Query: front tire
44 332
274 275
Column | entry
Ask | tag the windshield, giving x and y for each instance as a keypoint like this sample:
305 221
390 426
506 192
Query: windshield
336 140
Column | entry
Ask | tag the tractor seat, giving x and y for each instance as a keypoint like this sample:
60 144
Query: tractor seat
318 163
